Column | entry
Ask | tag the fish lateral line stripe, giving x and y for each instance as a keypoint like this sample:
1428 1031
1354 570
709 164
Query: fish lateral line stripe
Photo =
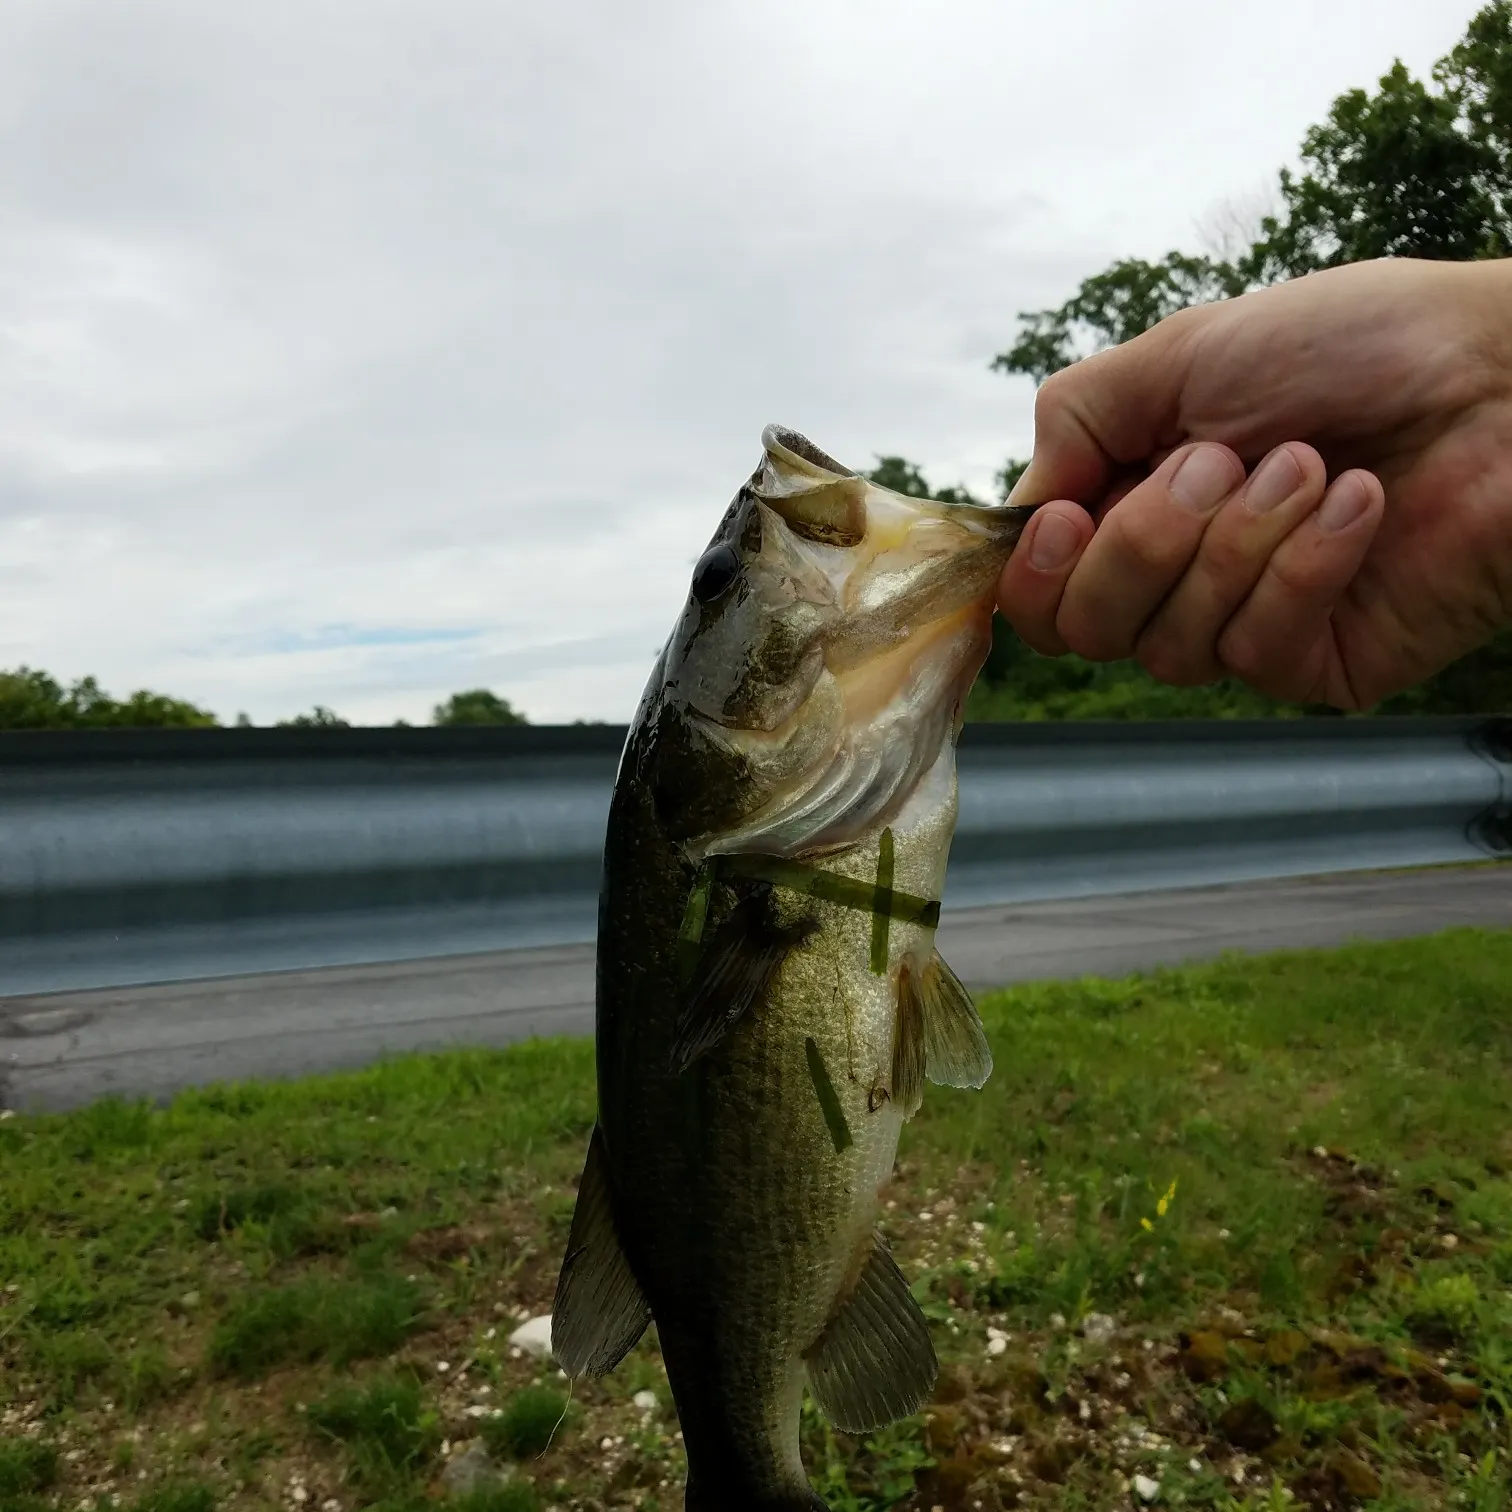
882 902
829 1100
831 887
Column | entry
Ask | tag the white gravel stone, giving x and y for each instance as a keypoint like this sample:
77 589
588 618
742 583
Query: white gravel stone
1145 1488
533 1337
645 1401
1098 1328
472 1470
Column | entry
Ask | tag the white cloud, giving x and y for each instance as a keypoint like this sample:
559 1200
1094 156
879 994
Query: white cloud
462 320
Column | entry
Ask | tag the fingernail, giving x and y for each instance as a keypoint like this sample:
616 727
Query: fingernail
1204 480
1275 480
1055 539
1343 504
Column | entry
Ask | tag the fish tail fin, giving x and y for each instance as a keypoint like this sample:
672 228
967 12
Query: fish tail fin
707 1496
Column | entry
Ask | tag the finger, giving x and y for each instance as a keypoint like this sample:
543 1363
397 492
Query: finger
1281 639
1108 411
1180 643
1034 577
1142 547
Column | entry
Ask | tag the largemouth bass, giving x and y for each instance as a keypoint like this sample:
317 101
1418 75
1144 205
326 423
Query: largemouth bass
770 1001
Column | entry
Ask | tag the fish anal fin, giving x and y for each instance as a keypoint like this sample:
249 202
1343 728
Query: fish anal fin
956 1052
599 1312
909 1055
734 970
874 1363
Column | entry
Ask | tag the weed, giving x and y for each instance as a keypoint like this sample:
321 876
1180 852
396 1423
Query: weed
1444 1306
189 1496
527 1425
146 1376
506 1496
388 1431
26 1466
219 1213
313 1319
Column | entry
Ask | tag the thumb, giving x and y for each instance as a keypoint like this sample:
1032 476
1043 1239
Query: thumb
1102 415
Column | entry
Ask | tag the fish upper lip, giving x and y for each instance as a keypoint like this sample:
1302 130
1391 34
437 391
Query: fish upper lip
998 519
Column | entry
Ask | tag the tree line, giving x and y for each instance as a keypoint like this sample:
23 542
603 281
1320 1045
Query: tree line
34 700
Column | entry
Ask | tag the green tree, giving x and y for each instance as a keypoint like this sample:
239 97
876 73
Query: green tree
33 700
477 706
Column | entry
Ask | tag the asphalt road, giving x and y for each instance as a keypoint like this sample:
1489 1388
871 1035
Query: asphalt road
63 1050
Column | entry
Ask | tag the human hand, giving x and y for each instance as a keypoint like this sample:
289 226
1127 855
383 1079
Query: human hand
1370 543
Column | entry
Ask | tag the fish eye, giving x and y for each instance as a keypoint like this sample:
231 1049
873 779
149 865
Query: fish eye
717 568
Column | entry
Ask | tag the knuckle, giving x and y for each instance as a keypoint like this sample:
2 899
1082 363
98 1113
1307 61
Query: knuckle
1148 553
1036 630
1226 559
1083 635
1168 661
1246 655
1053 393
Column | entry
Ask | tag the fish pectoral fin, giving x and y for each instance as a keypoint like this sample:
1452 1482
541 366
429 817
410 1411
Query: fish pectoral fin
909 1054
734 972
599 1311
956 1052
874 1363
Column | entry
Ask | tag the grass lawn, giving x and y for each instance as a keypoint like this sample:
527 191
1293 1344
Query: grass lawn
1235 1236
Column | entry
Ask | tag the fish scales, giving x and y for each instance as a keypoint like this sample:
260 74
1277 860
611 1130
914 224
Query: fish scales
754 1065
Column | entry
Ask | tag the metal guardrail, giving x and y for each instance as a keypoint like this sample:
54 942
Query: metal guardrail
138 856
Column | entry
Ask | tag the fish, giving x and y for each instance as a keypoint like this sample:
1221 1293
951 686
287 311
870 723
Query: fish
770 1001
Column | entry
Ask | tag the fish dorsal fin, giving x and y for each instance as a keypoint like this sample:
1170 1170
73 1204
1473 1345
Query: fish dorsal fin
874 1362
599 1311
956 1052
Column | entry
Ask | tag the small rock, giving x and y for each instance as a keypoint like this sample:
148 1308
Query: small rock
645 1401
471 1471
1057 1320
534 1337
190 1300
1145 1488
1098 1328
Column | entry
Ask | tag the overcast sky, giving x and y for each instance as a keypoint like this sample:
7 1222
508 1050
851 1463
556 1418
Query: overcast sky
357 353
